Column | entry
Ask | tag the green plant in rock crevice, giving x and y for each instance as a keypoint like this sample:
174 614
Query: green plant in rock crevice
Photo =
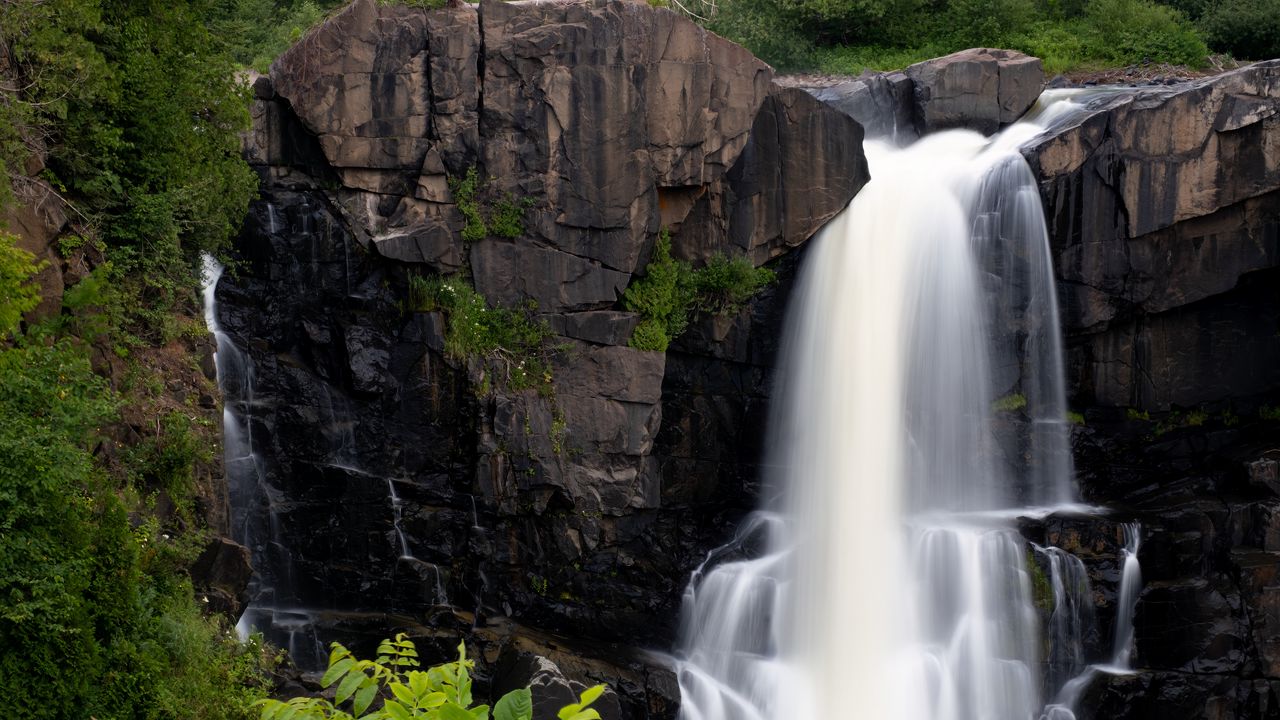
502 217
513 343
671 291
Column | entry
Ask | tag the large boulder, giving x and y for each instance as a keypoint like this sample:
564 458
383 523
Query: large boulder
979 88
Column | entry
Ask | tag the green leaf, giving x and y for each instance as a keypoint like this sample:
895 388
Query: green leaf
418 683
349 685
336 671
365 696
515 705
404 694
270 708
396 711
480 712
590 695
434 700
454 711
588 714
568 711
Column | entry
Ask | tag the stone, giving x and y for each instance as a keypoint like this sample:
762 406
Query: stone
883 104
1164 279
982 89
221 575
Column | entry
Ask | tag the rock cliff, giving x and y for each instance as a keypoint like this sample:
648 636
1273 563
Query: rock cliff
410 488
1163 207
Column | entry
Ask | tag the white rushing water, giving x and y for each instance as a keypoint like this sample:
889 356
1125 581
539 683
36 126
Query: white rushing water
892 583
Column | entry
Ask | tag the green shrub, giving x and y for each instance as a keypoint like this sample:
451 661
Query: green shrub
671 290
664 297
769 29
726 283
18 293
400 691
502 217
1132 31
1245 28
512 341
988 22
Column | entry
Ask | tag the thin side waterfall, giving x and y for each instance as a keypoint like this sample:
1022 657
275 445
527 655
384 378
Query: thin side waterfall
1072 621
885 577
254 521
1130 585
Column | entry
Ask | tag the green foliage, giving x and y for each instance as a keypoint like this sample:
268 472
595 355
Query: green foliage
1269 412
97 618
466 190
774 31
1245 28
850 36
18 294
507 218
726 283
1075 418
1137 415
511 341
664 298
257 31
1131 31
503 217
1009 403
140 114
167 460
393 688
671 291
988 22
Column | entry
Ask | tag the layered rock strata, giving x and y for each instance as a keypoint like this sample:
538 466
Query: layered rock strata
578 507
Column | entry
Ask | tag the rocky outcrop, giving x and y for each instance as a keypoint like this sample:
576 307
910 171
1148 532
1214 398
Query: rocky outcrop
979 89
564 506
1164 210
1163 206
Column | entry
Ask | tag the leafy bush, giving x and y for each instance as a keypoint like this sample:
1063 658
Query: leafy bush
1245 28
671 290
726 283
1131 31
664 298
988 22
442 692
504 219
18 294
768 29
513 341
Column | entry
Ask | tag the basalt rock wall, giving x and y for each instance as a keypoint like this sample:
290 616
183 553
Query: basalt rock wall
411 488
1163 207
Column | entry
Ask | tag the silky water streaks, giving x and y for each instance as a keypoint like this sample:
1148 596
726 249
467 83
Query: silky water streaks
884 577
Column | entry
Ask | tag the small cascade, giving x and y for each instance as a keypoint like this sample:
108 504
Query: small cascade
1127 601
396 514
254 521
1072 620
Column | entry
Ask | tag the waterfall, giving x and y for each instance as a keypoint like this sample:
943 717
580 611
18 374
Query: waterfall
1130 585
888 579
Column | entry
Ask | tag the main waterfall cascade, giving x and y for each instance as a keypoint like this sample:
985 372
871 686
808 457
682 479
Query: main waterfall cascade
890 581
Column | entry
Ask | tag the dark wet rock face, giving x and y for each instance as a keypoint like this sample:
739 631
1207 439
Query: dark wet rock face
555 529
578 508
1164 211
1165 217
